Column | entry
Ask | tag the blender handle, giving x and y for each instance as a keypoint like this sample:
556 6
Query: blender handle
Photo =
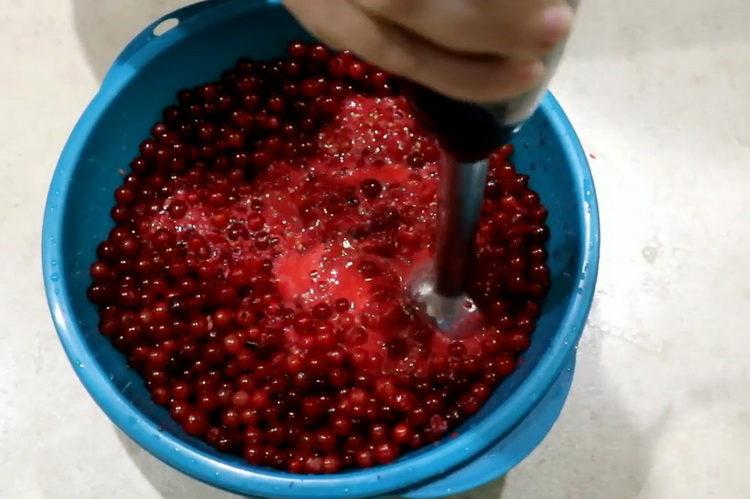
471 131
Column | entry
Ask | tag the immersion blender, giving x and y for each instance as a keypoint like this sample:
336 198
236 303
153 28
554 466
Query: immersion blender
469 132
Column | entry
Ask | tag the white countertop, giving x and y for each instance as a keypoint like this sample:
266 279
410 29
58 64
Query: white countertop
659 91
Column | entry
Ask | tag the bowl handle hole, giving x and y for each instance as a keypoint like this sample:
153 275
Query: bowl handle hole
165 25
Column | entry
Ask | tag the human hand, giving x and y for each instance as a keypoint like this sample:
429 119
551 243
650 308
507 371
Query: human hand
478 50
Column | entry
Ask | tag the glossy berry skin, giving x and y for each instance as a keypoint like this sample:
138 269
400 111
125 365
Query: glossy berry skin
255 276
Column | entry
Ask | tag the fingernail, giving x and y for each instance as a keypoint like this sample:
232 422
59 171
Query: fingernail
556 23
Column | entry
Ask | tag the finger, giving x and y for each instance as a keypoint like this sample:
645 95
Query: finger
515 28
479 78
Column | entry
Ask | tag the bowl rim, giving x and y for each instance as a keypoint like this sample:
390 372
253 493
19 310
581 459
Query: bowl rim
404 473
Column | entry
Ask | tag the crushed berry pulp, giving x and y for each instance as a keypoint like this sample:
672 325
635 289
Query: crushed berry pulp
257 270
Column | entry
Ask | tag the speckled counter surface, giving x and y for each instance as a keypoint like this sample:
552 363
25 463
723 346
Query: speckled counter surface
659 92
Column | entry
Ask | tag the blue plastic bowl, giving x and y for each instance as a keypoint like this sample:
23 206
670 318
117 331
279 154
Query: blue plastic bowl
209 37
